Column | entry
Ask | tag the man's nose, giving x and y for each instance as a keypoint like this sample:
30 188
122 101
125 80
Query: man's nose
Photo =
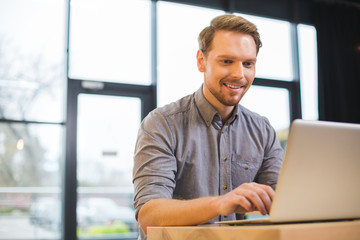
238 71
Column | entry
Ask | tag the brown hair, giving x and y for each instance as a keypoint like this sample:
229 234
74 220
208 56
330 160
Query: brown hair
227 22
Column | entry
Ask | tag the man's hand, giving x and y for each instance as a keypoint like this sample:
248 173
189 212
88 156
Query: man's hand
247 197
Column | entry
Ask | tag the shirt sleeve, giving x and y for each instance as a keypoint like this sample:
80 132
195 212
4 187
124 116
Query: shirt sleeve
272 161
154 161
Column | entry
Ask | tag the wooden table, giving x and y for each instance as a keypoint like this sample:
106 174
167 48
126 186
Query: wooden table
339 230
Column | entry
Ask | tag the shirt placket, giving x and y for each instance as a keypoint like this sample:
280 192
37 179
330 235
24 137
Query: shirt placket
225 174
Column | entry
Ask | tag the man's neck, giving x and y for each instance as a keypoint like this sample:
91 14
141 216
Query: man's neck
223 110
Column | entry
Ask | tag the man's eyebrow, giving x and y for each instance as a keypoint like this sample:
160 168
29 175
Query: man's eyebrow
226 56
233 57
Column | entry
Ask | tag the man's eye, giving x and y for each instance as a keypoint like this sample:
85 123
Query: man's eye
227 61
248 64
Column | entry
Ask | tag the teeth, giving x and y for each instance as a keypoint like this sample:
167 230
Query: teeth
232 86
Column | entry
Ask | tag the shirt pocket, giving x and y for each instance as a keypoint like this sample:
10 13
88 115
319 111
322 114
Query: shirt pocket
244 168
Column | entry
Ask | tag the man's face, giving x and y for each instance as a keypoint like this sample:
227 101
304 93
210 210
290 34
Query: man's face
228 67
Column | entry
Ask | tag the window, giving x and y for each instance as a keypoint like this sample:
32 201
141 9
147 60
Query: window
111 45
308 71
32 60
31 157
32 104
110 41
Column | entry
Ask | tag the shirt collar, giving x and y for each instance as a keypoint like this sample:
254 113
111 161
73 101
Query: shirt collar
234 114
207 111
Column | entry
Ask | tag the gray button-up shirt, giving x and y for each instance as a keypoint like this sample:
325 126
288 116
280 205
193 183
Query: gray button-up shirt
184 151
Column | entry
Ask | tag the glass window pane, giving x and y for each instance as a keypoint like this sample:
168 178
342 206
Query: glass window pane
107 130
31 157
272 103
274 60
177 46
110 40
32 60
308 71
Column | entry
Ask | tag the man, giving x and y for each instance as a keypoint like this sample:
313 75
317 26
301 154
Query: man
206 158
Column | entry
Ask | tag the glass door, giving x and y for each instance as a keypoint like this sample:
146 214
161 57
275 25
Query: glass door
102 124
106 133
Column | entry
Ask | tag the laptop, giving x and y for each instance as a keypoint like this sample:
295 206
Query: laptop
320 176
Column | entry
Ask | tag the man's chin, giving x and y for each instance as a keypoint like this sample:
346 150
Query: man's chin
231 103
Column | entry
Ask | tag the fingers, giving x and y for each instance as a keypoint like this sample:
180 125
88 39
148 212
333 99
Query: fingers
246 204
268 189
267 195
235 202
254 195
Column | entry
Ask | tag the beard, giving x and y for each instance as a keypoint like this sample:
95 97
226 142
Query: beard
229 101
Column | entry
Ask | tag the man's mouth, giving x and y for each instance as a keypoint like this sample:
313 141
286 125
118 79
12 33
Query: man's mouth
232 86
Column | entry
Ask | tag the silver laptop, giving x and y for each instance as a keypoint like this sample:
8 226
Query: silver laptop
320 176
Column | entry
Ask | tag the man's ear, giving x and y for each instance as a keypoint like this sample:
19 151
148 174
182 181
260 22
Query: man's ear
200 61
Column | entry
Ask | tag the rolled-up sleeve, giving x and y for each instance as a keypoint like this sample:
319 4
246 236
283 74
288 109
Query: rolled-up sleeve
154 161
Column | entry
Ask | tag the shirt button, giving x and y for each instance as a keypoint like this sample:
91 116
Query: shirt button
224 187
224 159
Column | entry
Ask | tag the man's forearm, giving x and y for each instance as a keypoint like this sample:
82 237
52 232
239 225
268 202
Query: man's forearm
172 212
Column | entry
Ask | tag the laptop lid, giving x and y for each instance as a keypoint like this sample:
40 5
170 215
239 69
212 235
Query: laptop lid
320 175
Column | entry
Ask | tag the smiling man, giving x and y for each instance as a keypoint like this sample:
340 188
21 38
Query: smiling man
206 158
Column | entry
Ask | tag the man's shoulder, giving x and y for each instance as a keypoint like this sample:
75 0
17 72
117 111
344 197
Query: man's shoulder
169 114
169 117
178 107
